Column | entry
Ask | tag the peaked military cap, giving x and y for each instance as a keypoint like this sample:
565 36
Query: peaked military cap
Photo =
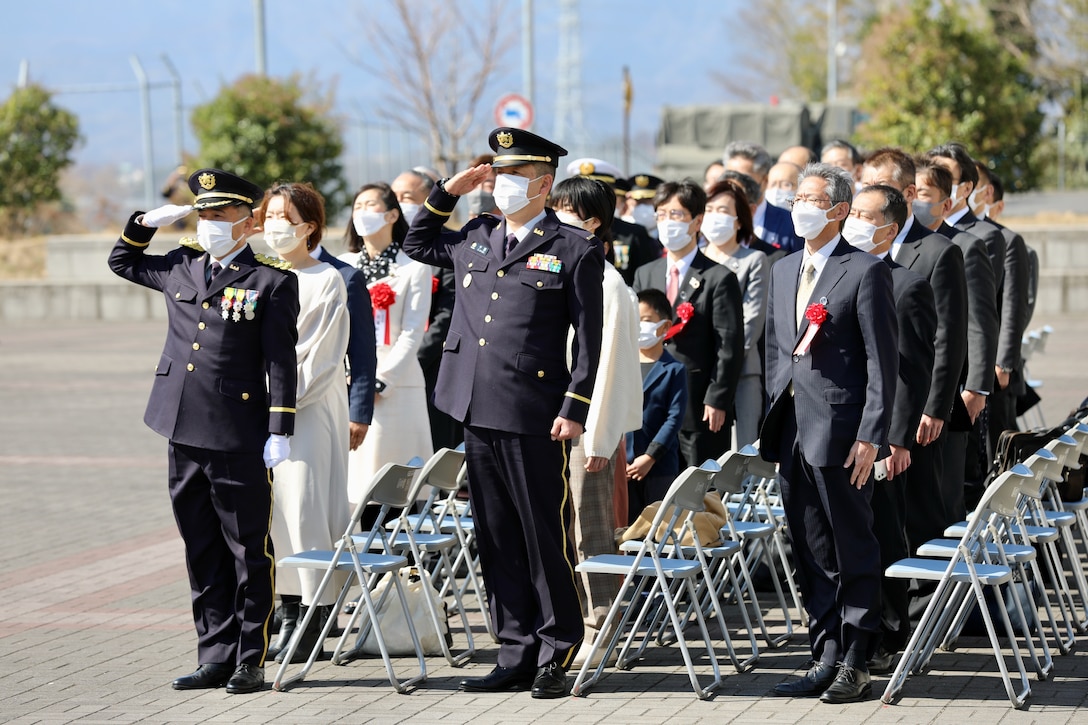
514 147
595 169
644 186
214 188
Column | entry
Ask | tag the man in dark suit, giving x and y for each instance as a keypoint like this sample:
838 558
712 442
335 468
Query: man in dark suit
934 198
224 396
772 224
710 342
523 283
831 378
940 261
876 215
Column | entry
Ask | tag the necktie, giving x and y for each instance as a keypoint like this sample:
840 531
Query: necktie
511 242
672 287
213 269
804 291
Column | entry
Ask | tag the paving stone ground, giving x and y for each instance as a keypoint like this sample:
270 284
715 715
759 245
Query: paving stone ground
94 610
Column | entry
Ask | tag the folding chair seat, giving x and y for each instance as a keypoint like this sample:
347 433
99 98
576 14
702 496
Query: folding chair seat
390 489
961 584
652 579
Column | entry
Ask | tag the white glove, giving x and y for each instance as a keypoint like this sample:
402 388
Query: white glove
277 449
165 215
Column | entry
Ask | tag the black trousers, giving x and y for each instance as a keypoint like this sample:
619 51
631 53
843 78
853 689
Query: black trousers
925 514
696 446
518 486
889 503
223 507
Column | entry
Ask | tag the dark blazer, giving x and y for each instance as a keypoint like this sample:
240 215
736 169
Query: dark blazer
664 400
778 229
222 384
362 351
430 349
711 345
632 247
916 314
940 261
982 313
504 364
992 238
1014 298
843 389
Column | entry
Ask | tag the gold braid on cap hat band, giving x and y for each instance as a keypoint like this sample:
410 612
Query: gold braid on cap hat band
246 199
522 157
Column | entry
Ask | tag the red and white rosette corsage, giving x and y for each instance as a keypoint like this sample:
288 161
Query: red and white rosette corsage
382 298
815 313
685 312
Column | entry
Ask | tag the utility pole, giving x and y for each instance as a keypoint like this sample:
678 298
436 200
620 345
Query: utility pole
832 47
628 96
179 123
527 50
258 30
568 105
145 106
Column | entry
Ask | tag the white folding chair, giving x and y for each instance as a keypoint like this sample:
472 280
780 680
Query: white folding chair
963 578
390 488
657 575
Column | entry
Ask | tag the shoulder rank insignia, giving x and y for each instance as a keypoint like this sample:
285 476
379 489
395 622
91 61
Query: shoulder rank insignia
479 248
274 262
538 231
191 243
545 263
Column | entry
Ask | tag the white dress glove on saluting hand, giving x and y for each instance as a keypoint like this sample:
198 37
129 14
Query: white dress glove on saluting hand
276 450
165 215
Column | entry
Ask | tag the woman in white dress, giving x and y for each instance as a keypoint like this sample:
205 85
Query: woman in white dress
400 293
310 503
727 227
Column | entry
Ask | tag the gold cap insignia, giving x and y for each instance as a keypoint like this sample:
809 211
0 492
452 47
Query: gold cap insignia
505 139
207 181
642 180
586 168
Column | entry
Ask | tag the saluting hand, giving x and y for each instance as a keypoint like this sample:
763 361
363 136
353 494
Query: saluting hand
862 456
465 181
563 429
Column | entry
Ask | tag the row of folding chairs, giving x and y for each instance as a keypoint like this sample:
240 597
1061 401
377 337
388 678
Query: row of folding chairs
1019 535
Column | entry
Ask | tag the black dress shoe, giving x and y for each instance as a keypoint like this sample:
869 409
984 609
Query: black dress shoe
851 685
882 662
550 682
817 679
500 679
206 677
247 678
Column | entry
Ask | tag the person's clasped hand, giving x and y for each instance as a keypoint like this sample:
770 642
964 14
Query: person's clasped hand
276 450
165 215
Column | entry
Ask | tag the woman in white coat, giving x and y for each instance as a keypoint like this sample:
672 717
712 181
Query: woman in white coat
310 503
400 293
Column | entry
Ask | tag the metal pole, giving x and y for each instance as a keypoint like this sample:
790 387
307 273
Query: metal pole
258 30
832 57
628 96
149 158
527 50
24 73
179 124
1061 154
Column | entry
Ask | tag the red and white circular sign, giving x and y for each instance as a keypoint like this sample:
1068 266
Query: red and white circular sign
514 111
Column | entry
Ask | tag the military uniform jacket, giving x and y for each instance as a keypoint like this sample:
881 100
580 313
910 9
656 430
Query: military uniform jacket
504 360
224 382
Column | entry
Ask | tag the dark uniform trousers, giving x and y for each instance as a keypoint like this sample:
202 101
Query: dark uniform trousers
521 532
223 507
926 516
889 502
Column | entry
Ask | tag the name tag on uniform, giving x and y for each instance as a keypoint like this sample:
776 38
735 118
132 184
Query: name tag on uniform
479 248
545 263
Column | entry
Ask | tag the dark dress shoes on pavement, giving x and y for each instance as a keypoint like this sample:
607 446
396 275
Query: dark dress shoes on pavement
500 679
882 662
206 677
851 685
811 684
246 678
550 682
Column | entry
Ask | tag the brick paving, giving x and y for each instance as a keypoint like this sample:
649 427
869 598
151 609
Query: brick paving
95 616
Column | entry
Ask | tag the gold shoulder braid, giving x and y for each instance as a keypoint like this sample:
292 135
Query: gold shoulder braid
275 262
191 244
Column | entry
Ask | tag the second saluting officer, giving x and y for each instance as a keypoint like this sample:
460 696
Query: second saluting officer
224 396
522 283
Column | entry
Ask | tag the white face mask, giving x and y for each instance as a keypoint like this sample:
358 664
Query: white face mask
512 193
718 228
647 334
216 237
281 236
644 214
808 220
779 197
571 219
859 233
368 223
674 235
955 194
409 210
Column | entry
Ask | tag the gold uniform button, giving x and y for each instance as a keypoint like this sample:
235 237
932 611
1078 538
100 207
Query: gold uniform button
487 318
482 342
196 345
177 295
494 295
539 283
540 373
190 367
501 273
201 326
245 396
205 305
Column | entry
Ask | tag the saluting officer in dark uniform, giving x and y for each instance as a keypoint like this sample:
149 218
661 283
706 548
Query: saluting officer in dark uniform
522 283
231 317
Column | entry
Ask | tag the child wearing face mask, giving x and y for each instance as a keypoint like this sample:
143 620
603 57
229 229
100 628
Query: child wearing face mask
654 450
